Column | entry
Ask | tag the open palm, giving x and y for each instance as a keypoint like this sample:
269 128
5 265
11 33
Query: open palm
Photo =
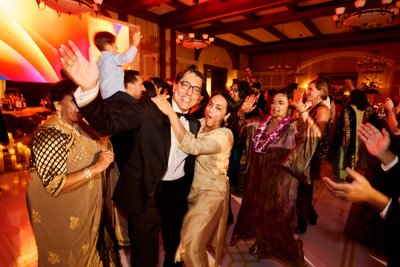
83 72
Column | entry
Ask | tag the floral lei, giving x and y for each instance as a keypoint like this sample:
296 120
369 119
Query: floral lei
262 138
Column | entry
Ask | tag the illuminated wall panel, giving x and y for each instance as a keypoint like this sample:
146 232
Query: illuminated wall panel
30 38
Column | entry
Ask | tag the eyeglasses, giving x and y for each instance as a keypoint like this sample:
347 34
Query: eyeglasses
186 86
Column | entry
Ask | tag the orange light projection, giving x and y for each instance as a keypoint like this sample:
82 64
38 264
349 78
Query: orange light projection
30 38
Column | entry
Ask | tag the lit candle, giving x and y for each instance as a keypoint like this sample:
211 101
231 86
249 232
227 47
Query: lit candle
27 155
1 160
20 149
11 151
10 137
14 163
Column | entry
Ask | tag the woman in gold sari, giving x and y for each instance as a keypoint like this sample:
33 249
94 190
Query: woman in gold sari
64 196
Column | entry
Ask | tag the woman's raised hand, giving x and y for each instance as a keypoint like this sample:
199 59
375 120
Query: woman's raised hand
162 103
83 72
248 104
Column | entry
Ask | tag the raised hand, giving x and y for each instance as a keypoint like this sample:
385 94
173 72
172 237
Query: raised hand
163 104
83 72
248 104
375 141
136 38
388 104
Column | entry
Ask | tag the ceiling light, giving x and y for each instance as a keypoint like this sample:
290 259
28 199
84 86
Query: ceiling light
365 18
195 41
72 7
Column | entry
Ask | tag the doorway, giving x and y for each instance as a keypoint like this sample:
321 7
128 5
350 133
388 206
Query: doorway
216 78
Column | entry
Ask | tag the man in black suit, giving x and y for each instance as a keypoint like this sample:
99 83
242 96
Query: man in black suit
387 200
156 180
260 101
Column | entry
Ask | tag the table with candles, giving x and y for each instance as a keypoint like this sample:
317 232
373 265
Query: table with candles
14 156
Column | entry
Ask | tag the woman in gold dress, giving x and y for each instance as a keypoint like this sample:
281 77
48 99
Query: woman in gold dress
64 195
205 221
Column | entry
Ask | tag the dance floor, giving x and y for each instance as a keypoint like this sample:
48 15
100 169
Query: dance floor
324 244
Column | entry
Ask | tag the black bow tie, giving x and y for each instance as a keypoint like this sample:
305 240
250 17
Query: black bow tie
186 115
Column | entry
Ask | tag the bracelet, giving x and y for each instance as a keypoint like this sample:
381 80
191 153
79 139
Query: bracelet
88 174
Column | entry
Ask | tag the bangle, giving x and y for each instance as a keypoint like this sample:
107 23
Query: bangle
88 174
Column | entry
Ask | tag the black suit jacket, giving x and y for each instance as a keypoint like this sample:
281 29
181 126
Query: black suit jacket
392 220
122 142
148 159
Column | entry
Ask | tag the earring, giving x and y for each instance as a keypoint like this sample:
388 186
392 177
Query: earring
58 113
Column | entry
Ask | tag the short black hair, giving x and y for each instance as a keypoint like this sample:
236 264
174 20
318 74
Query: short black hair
101 39
61 89
130 76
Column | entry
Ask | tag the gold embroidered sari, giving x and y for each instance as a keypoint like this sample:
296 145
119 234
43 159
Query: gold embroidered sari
66 224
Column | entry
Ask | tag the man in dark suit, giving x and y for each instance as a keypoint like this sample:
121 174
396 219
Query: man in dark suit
387 198
156 180
260 101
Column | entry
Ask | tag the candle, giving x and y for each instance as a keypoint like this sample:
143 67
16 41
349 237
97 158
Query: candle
11 151
10 137
27 155
1 161
14 163
20 149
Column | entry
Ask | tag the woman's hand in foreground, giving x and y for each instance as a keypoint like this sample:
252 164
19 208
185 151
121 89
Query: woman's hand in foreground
162 103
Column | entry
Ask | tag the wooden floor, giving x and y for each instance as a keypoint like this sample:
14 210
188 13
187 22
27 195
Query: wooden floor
324 244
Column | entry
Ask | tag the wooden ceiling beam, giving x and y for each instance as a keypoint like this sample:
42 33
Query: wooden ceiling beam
312 28
178 5
284 17
216 10
277 33
247 37
331 41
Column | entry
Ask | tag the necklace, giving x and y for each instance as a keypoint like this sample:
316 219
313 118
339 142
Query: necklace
263 138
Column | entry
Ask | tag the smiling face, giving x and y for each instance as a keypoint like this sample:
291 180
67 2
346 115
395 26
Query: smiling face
313 94
279 106
234 92
216 112
69 110
186 99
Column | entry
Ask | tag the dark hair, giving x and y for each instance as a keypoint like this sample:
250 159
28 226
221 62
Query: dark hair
158 82
359 99
233 118
193 69
150 89
256 85
61 89
244 90
101 39
130 76
288 92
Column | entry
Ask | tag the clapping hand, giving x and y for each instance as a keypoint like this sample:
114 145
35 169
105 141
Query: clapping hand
358 190
83 72
375 141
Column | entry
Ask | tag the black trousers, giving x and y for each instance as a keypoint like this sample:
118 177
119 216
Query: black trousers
171 201
144 230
